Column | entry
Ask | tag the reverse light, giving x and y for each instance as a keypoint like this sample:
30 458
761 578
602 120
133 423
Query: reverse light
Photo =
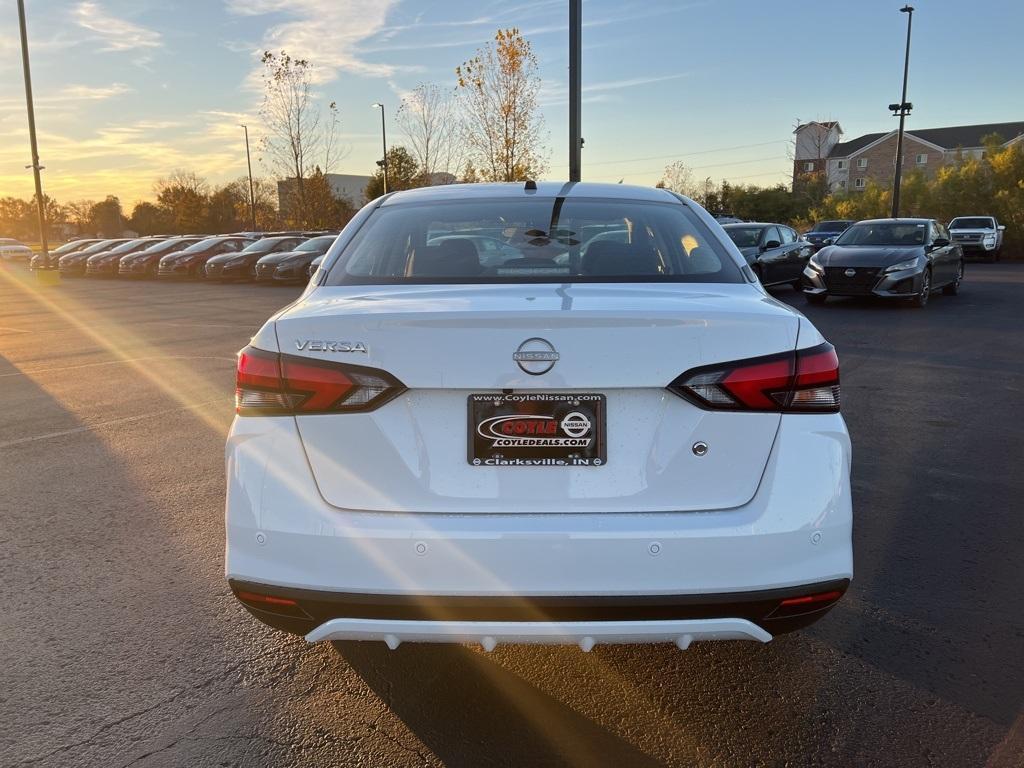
804 381
272 384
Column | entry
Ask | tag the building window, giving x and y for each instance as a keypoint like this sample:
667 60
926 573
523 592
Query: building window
808 167
922 159
862 162
859 183
841 165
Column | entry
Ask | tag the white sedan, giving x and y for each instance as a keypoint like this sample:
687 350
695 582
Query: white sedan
629 445
14 250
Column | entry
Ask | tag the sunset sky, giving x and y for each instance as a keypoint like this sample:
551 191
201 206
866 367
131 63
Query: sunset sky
129 90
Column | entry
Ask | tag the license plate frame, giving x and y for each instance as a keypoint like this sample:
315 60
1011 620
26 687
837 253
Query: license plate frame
537 429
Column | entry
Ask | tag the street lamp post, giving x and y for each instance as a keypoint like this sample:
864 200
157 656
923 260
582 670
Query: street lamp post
252 191
36 168
384 141
902 109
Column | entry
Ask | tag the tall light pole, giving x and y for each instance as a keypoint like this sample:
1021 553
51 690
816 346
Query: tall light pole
252 191
384 141
902 109
36 168
575 87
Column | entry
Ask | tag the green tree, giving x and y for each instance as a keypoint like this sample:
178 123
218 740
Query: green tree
106 218
148 219
227 209
184 196
403 173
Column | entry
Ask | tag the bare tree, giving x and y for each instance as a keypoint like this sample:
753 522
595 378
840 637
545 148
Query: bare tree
78 214
503 127
430 120
299 137
679 178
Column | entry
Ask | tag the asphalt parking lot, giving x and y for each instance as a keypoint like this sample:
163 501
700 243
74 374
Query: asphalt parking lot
121 645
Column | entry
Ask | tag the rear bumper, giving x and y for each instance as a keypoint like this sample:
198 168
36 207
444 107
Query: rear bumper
652 567
565 620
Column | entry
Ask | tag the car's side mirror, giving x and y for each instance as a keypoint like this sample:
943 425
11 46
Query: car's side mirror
940 242
828 241
770 244
1001 227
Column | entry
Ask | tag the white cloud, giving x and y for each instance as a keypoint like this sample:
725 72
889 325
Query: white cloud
117 34
93 93
324 31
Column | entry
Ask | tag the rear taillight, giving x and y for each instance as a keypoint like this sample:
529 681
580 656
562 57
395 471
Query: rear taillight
271 384
804 381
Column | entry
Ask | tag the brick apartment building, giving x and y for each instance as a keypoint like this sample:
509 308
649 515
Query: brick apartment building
850 165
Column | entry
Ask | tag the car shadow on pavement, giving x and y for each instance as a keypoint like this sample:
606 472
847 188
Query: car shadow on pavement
470 710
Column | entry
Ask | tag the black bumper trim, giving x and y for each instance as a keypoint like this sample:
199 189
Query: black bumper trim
321 606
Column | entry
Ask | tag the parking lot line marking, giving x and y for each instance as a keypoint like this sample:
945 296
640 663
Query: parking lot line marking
118 362
110 423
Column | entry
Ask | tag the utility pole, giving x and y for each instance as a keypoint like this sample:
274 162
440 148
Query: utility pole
36 168
902 109
252 192
575 87
384 141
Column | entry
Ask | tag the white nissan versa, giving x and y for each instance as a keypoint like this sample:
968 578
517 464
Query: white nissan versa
576 437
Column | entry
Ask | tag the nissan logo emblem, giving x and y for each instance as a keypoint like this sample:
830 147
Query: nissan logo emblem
536 356
850 272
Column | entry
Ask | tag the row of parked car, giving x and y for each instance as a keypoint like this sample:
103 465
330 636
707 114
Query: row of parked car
905 258
286 257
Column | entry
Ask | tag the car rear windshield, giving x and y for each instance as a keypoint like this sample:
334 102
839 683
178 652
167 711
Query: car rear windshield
542 241
885 233
831 226
976 222
744 237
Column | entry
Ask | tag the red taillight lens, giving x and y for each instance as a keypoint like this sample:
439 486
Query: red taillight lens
270 384
805 381
796 606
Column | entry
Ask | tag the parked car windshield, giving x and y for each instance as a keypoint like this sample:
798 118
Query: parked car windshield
202 245
744 237
174 244
317 244
885 233
125 247
667 243
831 226
266 245
100 246
971 222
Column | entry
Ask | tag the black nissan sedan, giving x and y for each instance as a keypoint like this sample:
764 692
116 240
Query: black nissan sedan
890 258
144 263
191 262
106 264
242 265
74 263
290 266
775 252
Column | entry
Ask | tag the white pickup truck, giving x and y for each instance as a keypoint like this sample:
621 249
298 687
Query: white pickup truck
978 235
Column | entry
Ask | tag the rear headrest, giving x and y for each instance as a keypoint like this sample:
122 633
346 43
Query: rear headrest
449 258
702 262
624 259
